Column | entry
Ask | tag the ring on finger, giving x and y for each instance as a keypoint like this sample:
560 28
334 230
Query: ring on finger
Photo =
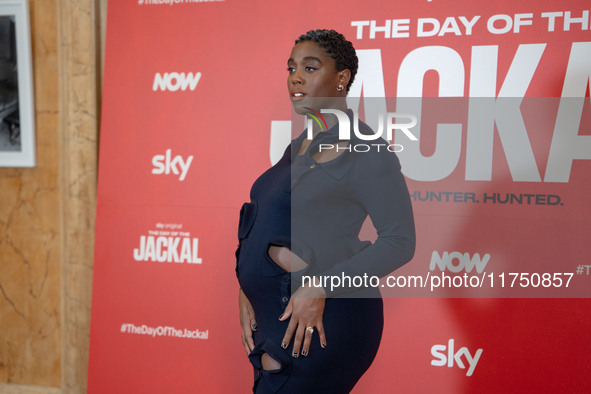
310 330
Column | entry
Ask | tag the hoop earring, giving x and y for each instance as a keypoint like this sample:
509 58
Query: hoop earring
340 88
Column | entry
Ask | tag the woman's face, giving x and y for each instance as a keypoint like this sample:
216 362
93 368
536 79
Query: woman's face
313 74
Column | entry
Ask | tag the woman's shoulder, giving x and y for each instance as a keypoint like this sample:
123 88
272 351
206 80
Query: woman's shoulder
373 154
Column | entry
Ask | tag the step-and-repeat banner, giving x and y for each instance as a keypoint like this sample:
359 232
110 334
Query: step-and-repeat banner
195 107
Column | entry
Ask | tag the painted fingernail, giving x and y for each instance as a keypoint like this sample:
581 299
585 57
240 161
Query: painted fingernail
294 355
323 345
280 316
304 353
253 326
284 345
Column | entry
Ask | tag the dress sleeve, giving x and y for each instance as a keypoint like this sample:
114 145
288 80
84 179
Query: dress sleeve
378 186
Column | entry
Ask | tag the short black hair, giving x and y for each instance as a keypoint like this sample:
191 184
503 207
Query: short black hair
337 47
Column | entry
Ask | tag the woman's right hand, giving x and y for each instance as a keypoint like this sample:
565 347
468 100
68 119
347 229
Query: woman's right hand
247 321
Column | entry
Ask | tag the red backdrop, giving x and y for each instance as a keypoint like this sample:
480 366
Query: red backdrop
191 90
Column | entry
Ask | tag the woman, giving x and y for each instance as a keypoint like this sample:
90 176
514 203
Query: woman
303 221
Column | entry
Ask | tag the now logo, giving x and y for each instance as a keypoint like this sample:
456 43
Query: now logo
166 164
456 261
441 359
174 81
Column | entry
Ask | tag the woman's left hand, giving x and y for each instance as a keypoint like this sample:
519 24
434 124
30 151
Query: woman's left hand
306 309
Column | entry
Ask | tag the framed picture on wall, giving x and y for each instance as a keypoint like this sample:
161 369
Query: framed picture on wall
17 125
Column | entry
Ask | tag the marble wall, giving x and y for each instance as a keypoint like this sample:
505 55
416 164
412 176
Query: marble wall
47 212
30 334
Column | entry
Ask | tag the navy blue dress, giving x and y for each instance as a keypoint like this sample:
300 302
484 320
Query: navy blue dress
317 210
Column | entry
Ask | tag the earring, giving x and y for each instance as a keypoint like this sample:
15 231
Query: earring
340 88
